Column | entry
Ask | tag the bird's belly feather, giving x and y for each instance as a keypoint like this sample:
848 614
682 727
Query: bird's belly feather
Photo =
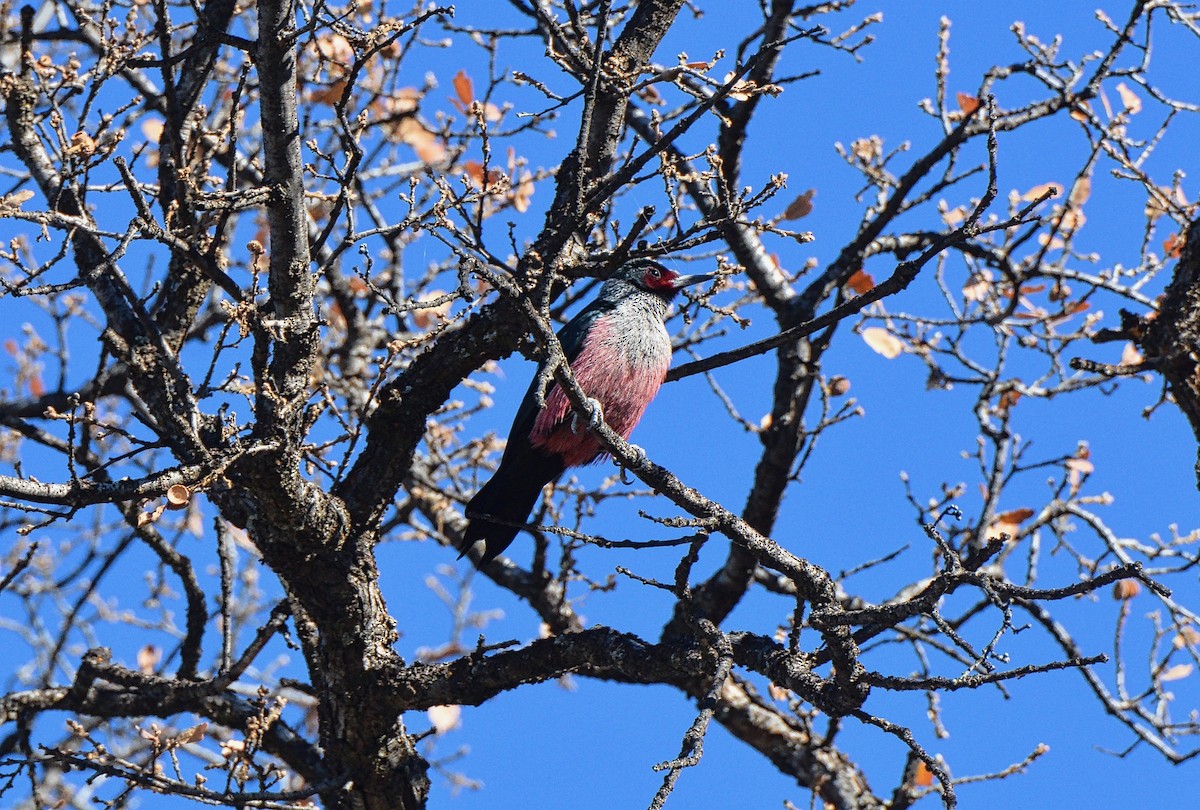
622 366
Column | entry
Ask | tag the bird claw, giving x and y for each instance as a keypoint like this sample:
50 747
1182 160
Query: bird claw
595 416
639 457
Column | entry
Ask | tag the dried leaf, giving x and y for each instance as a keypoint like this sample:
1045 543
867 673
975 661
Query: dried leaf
1187 636
152 128
445 718
954 216
82 144
336 49
1162 200
1130 356
146 518
923 777
425 143
1081 191
330 93
1015 516
192 735
861 282
883 342
1173 245
1038 190
1081 466
464 88
1008 399
1072 220
968 103
1131 100
1176 672
1125 589
492 113
802 206
431 314
522 192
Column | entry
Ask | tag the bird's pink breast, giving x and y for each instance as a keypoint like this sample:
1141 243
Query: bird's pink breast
615 368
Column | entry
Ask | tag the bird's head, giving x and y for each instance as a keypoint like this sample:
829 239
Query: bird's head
652 277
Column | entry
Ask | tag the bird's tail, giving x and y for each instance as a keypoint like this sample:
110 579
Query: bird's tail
502 506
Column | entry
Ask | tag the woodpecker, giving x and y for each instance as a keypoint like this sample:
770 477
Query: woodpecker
619 352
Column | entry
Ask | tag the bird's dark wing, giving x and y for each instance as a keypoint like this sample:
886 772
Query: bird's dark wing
571 336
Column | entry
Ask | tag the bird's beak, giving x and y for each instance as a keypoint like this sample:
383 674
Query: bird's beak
679 282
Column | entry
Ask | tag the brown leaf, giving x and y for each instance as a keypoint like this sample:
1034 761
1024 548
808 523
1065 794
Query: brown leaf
1125 589
968 103
425 143
192 735
329 94
1081 191
1038 190
923 777
883 342
1173 245
1008 399
861 282
1015 516
464 88
802 206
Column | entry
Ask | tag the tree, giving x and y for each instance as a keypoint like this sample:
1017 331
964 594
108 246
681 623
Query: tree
265 271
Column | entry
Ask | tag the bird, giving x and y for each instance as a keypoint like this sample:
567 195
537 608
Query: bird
619 352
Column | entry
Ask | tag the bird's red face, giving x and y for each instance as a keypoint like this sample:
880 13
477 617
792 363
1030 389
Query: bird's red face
657 278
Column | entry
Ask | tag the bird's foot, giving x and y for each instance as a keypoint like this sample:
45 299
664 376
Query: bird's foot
595 416
639 457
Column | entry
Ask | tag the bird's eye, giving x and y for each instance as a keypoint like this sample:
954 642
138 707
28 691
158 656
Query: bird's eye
655 272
